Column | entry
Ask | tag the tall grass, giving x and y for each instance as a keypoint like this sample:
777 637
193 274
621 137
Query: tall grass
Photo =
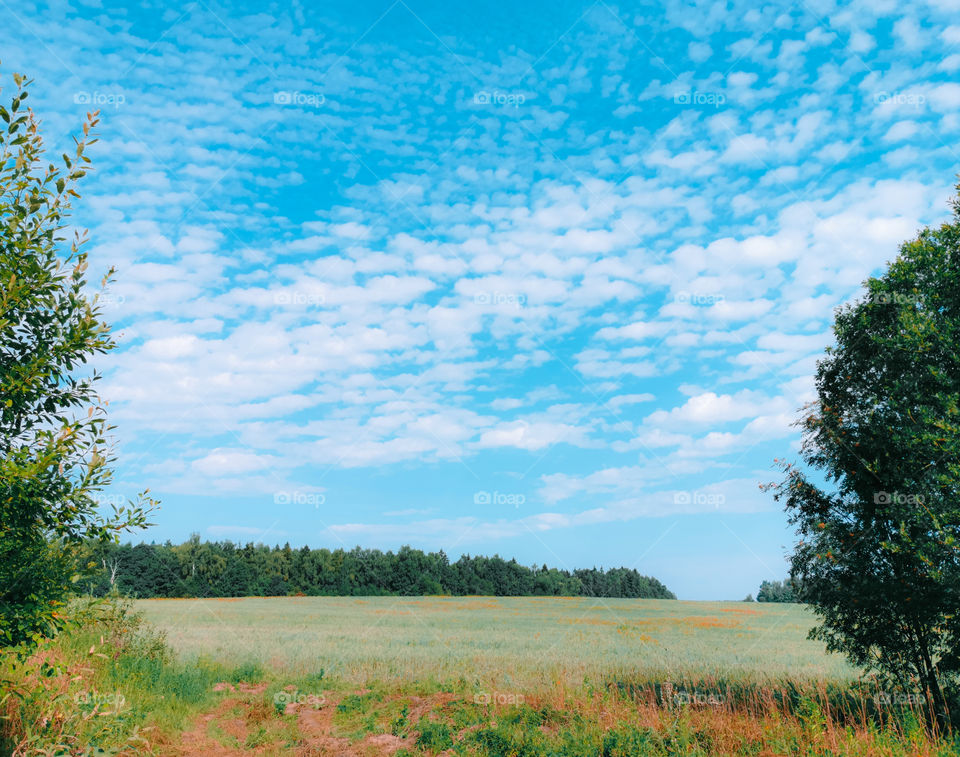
430 676
107 682
520 643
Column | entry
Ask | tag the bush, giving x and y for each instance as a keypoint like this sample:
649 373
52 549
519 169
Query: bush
95 685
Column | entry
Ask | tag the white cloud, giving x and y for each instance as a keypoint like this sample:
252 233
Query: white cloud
391 279
531 436
222 462
710 408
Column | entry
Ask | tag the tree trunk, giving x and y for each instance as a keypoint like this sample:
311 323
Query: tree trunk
938 717
941 717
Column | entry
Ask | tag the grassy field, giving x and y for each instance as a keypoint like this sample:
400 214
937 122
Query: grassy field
471 676
519 642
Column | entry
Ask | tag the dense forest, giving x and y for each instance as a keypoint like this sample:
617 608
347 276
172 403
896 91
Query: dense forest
224 569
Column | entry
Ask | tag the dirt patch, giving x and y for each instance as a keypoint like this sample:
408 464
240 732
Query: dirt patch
237 716
316 725
385 743
420 706
198 741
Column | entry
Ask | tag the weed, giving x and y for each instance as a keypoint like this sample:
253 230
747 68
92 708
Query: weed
435 736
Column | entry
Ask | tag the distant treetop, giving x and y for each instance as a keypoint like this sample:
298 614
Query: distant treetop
224 569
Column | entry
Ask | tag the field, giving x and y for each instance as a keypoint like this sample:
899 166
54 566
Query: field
521 676
511 642
473 676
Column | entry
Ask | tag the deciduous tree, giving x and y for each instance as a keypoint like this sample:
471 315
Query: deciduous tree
878 503
55 454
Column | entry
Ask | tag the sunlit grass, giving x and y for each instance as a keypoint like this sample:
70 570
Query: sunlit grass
464 676
500 641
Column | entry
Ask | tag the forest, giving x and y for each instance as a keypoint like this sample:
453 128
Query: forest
223 569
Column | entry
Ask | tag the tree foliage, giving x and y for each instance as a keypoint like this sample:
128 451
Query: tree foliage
776 591
878 557
54 437
224 569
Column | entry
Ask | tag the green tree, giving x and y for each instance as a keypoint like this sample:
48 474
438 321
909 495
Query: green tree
880 515
776 591
55 455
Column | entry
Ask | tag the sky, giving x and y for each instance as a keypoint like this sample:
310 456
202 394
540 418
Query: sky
548 280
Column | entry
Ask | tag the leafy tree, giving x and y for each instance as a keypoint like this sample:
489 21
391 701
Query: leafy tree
54 449
776 591
879 558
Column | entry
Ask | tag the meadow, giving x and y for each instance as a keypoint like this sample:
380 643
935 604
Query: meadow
481 676
523 642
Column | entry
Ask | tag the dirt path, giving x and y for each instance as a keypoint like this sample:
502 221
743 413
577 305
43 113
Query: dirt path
245 723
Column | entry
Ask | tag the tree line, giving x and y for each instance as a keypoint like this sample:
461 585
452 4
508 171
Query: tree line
778 591
224 569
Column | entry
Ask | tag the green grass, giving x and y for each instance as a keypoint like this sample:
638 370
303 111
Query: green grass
465 676
511 643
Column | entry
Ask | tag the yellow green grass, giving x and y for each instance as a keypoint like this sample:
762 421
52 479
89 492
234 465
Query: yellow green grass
474 676
523 642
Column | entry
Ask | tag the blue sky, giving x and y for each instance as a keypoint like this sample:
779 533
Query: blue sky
542 279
